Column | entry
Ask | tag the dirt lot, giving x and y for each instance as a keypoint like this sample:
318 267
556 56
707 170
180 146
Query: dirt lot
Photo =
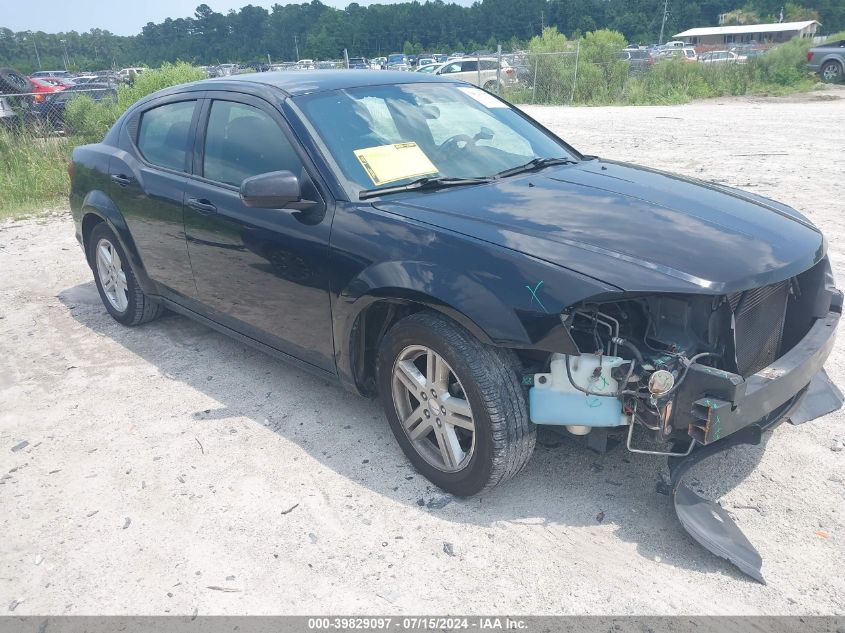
171 470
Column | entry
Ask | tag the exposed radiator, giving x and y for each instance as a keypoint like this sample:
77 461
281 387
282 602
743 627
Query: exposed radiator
759 316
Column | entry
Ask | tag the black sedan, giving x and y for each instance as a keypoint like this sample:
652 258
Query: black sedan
422 240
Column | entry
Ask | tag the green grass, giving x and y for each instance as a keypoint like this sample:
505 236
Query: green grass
33 173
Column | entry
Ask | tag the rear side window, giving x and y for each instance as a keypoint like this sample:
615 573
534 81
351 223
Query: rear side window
243 141
469 66
164 132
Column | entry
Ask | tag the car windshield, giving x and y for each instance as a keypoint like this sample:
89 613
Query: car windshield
390 135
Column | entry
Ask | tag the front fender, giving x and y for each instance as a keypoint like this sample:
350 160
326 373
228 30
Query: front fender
520 312
99 204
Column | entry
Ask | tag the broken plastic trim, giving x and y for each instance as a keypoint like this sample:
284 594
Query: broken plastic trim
706 521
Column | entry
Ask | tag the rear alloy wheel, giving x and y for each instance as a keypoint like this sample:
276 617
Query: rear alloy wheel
111 275
456 406
832 72
119 290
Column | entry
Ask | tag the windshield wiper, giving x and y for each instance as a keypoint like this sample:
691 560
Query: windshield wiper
427 182
533 165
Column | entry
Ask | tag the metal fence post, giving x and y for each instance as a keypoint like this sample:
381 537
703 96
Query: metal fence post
499 70
575 75
534 83
478 69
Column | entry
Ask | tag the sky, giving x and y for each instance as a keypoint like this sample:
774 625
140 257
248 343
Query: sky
121 16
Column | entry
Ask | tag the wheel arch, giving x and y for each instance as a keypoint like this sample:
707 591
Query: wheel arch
98 208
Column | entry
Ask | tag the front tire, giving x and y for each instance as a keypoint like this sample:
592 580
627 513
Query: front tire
456 406
118 287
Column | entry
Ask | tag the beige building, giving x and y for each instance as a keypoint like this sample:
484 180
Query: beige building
746 33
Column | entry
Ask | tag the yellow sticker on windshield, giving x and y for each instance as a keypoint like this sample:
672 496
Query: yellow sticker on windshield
389 163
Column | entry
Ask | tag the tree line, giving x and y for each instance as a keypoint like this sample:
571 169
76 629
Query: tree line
314 30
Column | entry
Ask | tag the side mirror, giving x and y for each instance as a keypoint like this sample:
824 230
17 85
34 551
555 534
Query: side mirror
274 190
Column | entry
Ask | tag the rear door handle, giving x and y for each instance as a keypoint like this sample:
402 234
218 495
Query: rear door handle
202 206
120 179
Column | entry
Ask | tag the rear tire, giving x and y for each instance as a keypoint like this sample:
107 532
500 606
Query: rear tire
831 72
12 81
118 287
438 382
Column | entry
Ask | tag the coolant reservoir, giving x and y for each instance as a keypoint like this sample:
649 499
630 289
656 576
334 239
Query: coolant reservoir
554 400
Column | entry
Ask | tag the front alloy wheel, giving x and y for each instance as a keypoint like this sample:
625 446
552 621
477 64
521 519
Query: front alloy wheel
432 405
456 406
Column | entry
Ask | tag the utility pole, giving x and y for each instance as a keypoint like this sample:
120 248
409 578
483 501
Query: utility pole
64 46
296 43
35 46
663 24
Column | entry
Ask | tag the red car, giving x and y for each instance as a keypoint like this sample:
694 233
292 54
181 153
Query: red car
42 87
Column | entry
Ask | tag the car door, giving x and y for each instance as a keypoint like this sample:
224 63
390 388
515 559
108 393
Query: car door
262 272
147 184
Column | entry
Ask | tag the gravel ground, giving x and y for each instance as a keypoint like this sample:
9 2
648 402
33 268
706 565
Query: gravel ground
169 469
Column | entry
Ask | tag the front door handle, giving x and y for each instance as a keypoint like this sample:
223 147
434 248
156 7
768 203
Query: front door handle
120 179
202 206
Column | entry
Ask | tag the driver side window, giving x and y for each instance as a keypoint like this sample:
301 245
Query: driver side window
242 141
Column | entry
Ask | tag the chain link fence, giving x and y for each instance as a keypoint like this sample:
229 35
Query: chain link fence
628 76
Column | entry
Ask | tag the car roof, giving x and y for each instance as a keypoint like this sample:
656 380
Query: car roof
299 82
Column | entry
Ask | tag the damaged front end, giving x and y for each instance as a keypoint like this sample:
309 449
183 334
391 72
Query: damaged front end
688 376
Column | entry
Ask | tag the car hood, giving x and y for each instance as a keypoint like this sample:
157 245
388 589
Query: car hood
633 227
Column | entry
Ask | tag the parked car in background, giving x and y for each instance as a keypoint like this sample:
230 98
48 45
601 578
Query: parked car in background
378 63
412 60
84 79
107 76
127 74
828 60
423 61
306 64
225 70
8 113
467 69
42 87
13 109
640 60
51 73
428 68
686 53
359 63
720 57
52 109
397 61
